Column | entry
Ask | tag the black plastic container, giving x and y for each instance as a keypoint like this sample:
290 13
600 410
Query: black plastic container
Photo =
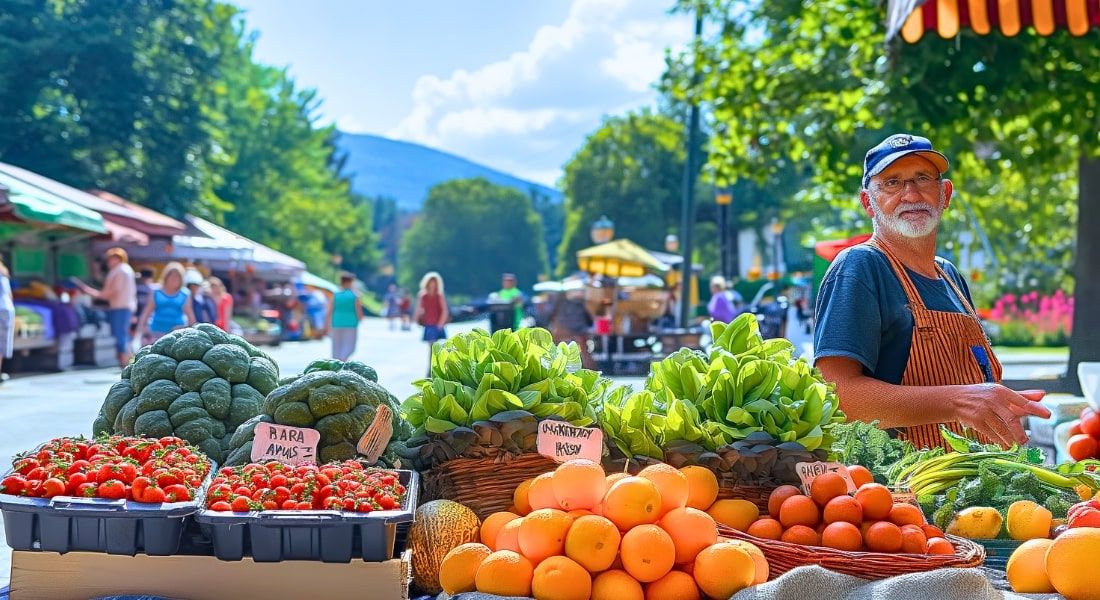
325 535
65 523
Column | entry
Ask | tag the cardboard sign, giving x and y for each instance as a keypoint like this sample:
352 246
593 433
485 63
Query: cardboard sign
563 442
377 436
286 444
808 470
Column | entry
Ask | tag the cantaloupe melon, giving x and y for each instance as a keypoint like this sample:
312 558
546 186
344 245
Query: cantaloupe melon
440 525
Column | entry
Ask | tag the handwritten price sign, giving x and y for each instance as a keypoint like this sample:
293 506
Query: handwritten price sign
286 444
562 442
808 470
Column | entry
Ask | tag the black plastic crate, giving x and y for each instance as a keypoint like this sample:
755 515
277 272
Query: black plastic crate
65 523
325 535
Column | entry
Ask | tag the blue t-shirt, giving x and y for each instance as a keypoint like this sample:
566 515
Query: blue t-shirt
863 314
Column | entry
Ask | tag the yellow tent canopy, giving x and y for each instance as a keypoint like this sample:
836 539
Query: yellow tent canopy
619 258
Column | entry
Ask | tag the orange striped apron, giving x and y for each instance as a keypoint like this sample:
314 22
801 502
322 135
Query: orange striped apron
948 348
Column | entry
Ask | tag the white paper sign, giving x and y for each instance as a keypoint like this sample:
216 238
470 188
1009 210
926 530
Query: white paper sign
562 442
286 444
808 470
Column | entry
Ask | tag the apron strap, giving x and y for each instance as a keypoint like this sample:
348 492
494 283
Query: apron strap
902 274
958 292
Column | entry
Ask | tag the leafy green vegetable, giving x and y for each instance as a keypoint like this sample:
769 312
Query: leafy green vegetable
860 443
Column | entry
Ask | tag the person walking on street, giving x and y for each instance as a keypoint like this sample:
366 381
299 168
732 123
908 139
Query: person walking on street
405 305
145 287
344 314
510 293
223 303
720 306
7 318
431 311
120 293
201 304
392 302
168 309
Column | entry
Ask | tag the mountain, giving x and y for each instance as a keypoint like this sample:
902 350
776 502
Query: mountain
402 170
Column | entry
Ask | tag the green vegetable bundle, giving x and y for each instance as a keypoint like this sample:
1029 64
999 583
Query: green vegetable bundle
198 383
864 444
976 475
487 392
337 399
747 385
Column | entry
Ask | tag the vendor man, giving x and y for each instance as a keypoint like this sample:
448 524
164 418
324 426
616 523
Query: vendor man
510 293
896 327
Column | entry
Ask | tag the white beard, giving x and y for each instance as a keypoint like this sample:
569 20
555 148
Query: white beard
909 228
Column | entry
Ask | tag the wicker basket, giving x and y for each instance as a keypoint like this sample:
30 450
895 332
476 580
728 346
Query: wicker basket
485 485
783 557
757 494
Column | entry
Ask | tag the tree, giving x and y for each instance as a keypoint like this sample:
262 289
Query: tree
631 170
471 231
811 83
553 222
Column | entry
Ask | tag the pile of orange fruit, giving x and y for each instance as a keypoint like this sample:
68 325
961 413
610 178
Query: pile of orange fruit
867 521
578 534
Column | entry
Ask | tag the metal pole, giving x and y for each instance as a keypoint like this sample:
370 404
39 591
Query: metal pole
687 216
724 240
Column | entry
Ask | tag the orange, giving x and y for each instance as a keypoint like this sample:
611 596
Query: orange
491 526
875 500
737 514
632 501
1070 563
691 530
860 475
519 498
883 537
906 514
593 542
675 585
647 552
938 545
913 540
505 573
931 531
757 556
508 536
827 486
766 528
702 486
799 510
670 482
1026 520
801 535
778 496
612 478
542 534
559 578
577 513
843 508
724 569
616 584
578 483
541 493
459 567
842 536
1027 570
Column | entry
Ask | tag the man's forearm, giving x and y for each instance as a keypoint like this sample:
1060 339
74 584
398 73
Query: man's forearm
867 399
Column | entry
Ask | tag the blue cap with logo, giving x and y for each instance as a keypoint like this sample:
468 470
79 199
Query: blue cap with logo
897 146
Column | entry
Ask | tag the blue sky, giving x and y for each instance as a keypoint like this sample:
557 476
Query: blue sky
512 84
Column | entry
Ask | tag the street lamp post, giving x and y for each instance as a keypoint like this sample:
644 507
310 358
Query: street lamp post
687 214
724 198
603 230
777 237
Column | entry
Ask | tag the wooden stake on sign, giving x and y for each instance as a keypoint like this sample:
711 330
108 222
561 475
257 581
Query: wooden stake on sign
378 434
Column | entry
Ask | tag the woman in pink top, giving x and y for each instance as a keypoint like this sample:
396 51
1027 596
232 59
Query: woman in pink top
223 300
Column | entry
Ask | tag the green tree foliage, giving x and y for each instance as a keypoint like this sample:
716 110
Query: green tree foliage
631 169
471 231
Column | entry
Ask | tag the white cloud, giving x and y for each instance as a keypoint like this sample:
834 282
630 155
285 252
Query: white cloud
528 112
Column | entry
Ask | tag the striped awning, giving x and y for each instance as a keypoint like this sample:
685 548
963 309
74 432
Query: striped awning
913 18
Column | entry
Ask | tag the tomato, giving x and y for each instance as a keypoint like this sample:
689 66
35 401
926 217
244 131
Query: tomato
305 506
221 505
1090 423
1082 446
278 480
109 471
219 491
241 504
75 481
111 488
138 487
153 495
289 504
86 490
15 485
243 491
24 465
165 478
38 474
387 502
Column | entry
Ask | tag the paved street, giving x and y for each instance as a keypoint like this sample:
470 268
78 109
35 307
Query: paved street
36 408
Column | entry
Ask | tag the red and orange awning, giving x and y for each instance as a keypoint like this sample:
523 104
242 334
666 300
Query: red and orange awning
913 18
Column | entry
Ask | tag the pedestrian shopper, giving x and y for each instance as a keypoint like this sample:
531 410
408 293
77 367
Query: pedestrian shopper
344 315
145 287
896 326
406 310
510 293
120 293
720 307
169 307
223 303
569 322
432 312
392 305
7 318
202 305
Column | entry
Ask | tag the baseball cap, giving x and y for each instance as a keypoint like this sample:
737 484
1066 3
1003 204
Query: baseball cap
896 146
192 277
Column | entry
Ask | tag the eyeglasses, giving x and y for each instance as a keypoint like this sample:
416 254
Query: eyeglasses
895 185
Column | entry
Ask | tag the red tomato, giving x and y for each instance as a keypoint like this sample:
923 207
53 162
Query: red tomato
289 504
15 485
75 481
221 505
1082 446
153 494
111 488
86 490
25 465
1090 423
241 504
